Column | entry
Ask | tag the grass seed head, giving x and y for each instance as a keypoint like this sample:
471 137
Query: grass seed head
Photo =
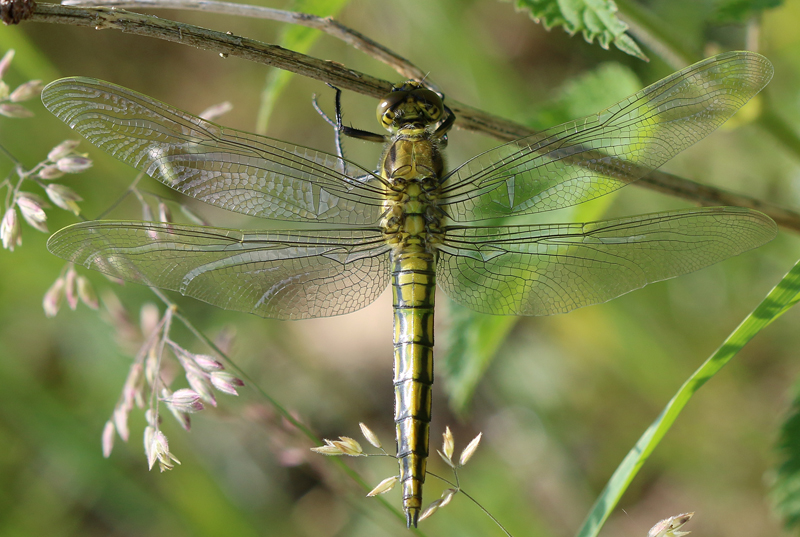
448 445
9 230
64 197
349 446
32 208
108 438
469 451
6 62
62 150
384 486
53 297
86 293
329 449
50 172
371 437
432 508
26 91
74 164
14 110
207 363
71 289
157 449
446 460
669 526
225 382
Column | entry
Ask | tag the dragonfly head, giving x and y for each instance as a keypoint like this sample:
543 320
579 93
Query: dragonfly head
410 103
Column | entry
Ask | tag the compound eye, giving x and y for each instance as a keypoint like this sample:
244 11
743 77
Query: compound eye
431 101
385 107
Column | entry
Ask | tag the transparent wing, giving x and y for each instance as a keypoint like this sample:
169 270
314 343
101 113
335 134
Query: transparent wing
281 274
587 158
235 170
555 268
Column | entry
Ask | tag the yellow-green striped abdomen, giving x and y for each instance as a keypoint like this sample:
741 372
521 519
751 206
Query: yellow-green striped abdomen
413 290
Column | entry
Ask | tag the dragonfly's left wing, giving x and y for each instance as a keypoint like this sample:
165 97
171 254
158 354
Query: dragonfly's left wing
590 157
277 274
231 169
555 268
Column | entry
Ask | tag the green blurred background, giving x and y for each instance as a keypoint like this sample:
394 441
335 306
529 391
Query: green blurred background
559 406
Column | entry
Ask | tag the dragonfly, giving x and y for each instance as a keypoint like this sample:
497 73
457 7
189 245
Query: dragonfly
411 225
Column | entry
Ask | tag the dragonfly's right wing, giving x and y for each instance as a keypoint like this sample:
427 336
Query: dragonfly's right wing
555 268
590 157
276 274
231 169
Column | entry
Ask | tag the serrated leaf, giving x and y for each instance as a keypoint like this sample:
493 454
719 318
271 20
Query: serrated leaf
594 19
546 12
571 11
628 46
594 26
741 10
606 11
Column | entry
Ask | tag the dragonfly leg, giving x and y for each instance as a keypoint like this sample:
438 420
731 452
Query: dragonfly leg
337 125
340 128
444 126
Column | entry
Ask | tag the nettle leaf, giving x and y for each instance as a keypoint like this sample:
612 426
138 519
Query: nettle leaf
595 19
741 10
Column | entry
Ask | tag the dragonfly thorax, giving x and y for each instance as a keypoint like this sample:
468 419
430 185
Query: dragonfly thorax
412 165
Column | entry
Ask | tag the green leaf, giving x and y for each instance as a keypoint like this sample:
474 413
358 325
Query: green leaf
778 301
741 10
588 93
786 489
474 340
595 19
298 39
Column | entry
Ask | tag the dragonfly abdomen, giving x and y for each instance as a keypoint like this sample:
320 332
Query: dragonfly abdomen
413 289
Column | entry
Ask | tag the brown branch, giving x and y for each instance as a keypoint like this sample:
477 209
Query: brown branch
709 196
404 68
334 73
222 43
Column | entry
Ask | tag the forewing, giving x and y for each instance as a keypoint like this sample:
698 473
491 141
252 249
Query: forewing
556 268
590 157
232 169
277 274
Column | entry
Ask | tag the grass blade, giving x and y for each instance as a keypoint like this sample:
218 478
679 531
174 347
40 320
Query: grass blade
782 297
